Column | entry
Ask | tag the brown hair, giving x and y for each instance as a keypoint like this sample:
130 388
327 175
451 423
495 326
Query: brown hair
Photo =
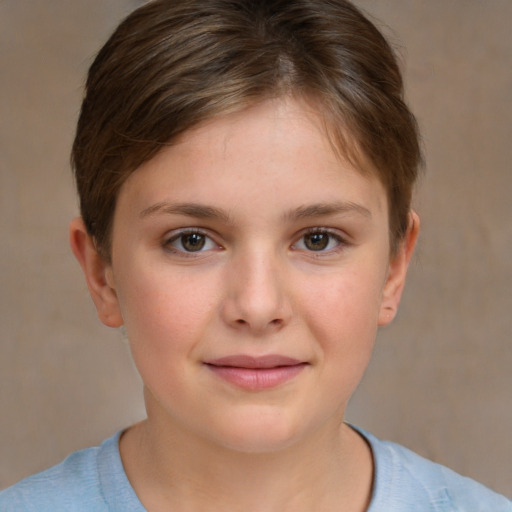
174 63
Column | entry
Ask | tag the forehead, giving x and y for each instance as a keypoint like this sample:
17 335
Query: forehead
277 152
300 113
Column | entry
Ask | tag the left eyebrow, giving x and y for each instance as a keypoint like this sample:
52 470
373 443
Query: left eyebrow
325 209
188 209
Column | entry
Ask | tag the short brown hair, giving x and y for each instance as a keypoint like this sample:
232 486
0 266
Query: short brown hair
174 63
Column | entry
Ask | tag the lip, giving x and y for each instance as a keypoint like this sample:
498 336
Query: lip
256 373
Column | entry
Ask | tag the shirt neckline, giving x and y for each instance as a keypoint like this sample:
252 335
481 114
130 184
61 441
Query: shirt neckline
120 496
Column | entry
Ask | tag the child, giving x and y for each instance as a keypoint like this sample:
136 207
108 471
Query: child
245 170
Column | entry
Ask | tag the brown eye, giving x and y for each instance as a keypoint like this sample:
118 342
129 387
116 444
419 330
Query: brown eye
190 242
319 240
316 241
193 242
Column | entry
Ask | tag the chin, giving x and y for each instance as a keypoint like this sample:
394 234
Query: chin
260 432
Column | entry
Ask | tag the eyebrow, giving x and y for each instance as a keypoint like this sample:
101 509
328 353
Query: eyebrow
200 211
189 209
325 209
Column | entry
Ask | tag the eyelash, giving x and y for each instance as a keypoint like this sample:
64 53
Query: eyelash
333 236
180 235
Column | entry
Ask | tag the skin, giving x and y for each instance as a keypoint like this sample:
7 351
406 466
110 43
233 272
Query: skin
252 186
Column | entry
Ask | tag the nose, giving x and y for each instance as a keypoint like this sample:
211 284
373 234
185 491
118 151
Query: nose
256 299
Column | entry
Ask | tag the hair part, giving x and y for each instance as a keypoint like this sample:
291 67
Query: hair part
172 64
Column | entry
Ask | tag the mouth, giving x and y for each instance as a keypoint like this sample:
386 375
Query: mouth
256 373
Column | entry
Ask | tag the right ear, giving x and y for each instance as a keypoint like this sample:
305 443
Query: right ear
98 274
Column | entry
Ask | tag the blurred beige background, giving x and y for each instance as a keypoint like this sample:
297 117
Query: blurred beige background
440 381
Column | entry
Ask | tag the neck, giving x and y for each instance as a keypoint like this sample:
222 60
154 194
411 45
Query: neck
170 470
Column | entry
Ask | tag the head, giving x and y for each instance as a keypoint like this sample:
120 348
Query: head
245 170
173 64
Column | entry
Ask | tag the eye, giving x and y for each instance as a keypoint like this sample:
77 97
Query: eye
319 240
190 241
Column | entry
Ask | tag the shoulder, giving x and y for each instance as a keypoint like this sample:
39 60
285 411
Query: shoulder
75 484
74 481
404 481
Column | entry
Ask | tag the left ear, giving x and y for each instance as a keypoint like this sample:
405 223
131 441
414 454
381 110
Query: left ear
397 271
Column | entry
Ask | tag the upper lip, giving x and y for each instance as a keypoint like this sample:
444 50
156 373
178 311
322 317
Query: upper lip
246 361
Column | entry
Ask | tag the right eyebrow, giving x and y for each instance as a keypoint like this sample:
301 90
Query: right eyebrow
196 210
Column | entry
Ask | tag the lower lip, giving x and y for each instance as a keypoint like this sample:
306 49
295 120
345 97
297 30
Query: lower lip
257 379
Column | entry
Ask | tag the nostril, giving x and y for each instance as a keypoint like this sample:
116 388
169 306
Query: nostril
275 322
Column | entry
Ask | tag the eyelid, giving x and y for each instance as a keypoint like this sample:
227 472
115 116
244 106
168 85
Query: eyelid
175 235
343 240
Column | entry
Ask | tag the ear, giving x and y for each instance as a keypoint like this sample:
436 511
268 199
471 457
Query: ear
98 274
397 271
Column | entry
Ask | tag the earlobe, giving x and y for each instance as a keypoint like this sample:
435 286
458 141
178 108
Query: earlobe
397 272
98 274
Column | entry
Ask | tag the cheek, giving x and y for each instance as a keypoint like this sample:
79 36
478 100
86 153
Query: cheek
166 317
347 302
342 314
166 311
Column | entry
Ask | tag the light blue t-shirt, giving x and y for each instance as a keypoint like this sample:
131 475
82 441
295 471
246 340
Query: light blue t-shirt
94 480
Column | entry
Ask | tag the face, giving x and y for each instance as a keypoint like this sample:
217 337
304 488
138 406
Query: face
251 269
